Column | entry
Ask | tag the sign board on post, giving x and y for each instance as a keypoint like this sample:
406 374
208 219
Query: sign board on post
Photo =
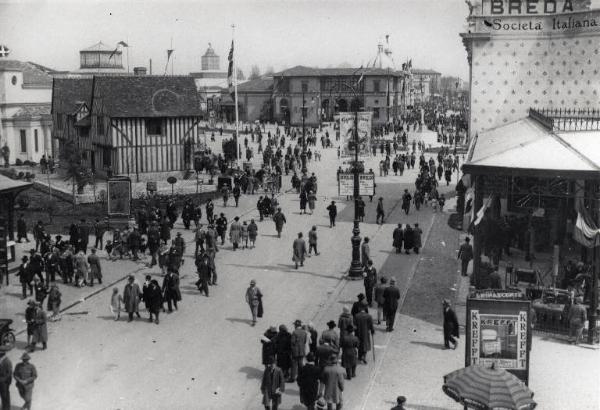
119 196
499 332
366 184
347 133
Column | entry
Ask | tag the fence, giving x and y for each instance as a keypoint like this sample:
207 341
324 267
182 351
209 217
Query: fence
558 119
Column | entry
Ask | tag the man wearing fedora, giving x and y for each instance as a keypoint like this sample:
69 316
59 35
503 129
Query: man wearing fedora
272 385
391 296
363 323
332 383
25 375
253 298
299 342
331 336
450 325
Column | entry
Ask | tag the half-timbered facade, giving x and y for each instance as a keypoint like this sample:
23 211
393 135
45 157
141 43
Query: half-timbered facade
141 126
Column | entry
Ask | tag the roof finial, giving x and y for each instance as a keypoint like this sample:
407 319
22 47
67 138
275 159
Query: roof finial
209 45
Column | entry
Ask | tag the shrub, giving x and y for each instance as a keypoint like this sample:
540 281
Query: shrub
18 162
20 175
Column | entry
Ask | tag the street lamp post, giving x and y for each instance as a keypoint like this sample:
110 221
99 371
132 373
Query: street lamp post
303 155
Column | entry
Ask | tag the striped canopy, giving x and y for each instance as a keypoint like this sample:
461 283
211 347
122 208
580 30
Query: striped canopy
484 388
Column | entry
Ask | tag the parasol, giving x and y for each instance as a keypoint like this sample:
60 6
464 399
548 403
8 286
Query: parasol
485 388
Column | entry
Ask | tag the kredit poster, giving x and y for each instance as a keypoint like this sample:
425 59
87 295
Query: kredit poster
346 120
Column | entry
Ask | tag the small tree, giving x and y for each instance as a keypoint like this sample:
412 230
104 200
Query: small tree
254 73
229 149
74 171
240 74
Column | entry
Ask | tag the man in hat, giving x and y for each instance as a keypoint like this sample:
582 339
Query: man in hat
379 299
299 342
25 375
36 264
380 211
204 273
6 375
350 345
272 385
332 383
365 252
299 250
391 296
399 403
153 242
170 289
577 318
179 243
25 277
312 240
450 325
279 219
357 306
221 225
465 254
131 297
40 328
308 382
330 336
369 280
253 299
332 208
95 267
363 323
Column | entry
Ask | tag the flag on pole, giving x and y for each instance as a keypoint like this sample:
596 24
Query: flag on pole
4 51
481 211
230 70
120 43
585 232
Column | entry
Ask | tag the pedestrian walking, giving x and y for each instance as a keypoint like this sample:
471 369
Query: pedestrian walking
400 400
344 321
365 252
332 209
299 342
95 267
22 229
332 383
391 296
465 254
254 300
363 323
369 281
272 386
380 211
252 232
235 232
153 300
244 234
279 219
406 198
131 297
312 240
312 198
360 206
204 273
54 300
308 382
450 325
115 304
221 226
330 336
299 250
409 242
283 346
269 348
379 298
170 289
236 194
25 277
40 328
349 345
99 231
398 238
417 235
6 375
82 270
25 374
303 201
199 238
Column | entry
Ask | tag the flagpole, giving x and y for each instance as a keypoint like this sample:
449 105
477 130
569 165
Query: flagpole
127 55
237 131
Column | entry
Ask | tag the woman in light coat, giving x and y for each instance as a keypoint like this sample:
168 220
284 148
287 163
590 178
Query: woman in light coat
235 232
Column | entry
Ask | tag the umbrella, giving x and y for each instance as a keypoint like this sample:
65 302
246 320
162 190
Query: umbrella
487 388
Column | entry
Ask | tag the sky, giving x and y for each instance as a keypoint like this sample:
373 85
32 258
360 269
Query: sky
276 33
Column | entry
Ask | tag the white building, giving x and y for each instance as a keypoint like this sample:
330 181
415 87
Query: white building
25 120
210 80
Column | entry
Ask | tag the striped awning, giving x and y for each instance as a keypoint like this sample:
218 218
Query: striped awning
484 388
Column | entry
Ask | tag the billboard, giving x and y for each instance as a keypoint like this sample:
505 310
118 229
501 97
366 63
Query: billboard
498 332
346 121
366 184
119 196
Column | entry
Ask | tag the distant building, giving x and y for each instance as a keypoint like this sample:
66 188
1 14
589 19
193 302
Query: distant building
255 101
25 121
142 126
425 83
210 80
100 59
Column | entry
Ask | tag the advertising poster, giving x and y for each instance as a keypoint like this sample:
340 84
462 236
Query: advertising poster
346 121
119 196
366 184
498 332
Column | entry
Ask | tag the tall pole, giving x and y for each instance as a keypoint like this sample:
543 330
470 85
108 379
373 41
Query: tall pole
592 329
355 266
237 131
303 156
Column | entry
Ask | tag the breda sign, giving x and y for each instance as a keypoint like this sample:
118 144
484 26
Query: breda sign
530 7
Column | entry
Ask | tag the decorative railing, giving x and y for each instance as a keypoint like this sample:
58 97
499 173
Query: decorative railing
559 119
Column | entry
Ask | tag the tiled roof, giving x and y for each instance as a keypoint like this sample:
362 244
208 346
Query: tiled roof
32 111
303 71
69 93
264 84
11 185
146 96
32 75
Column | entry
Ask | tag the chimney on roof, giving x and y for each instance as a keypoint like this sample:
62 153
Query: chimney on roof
138 71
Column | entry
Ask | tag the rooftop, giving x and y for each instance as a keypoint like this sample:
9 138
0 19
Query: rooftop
263 84
33 75
69 93
424 71
146 96
100 47
303 71
32 112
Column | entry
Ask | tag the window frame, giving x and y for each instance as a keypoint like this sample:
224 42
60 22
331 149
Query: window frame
23 140
151 124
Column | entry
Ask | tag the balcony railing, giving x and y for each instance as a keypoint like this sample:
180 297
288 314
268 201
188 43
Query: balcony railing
558 119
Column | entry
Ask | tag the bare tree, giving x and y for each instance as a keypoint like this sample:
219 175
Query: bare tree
254 73
269 70
240 74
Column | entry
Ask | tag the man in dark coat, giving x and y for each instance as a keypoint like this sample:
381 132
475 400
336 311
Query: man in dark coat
134 241
272 386
350 345
363 322
279 219
409 242
332 214
465 254
308 382
221 226
84 236
6 375
398 238
153 299
131 297
269 348
379 299
370 280
21 229
204 273
391 295
357 306
406 198
450 325
25 374
170 289
283 346
153 242
298 342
